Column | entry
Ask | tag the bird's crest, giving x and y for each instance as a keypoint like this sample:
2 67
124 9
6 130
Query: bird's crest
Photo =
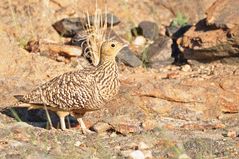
96 33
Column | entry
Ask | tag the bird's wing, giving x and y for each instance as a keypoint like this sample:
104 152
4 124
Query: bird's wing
66 91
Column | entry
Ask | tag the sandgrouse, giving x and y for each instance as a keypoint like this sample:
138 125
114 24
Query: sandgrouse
80 91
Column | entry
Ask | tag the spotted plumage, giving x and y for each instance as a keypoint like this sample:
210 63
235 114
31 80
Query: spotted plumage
79 91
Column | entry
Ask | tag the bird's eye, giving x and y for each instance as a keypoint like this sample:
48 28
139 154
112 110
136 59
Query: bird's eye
112 45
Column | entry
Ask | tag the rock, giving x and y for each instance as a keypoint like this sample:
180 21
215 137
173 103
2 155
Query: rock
129 58
215 37
68 27
137 155
193 10
126 128
195 94
223 13
170 30
101 127
159 53
149 30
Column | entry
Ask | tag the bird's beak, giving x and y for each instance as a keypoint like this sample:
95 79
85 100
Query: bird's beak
124 46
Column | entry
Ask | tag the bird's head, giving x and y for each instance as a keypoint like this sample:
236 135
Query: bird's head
110 49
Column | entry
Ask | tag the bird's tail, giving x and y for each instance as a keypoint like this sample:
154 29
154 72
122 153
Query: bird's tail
21 101
24 103
19 98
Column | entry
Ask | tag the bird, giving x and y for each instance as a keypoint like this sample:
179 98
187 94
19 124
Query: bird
79 91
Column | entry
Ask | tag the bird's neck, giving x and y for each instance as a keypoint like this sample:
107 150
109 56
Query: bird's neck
107 79
107 59
107 64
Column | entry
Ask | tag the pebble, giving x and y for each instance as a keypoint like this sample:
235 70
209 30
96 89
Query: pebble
231 134
77 143
60 59
101 127
186 68
139 41
149 124
184 156
15 144
148 154
137 155
143 146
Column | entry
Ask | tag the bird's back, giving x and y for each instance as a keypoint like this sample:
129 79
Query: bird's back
68 91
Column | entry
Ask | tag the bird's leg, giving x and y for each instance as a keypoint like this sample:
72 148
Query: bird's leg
83 127
62 116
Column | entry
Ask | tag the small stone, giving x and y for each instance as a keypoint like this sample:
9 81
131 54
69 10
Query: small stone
113 134
101 127
125 125
32 46
231 134
149 125
139 41
219 126
60 59
77 143
15 144
125 153
184 156
186 68
129 58
148 154
126 128
142 146
137 155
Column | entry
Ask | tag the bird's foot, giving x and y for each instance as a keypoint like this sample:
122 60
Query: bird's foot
86 131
